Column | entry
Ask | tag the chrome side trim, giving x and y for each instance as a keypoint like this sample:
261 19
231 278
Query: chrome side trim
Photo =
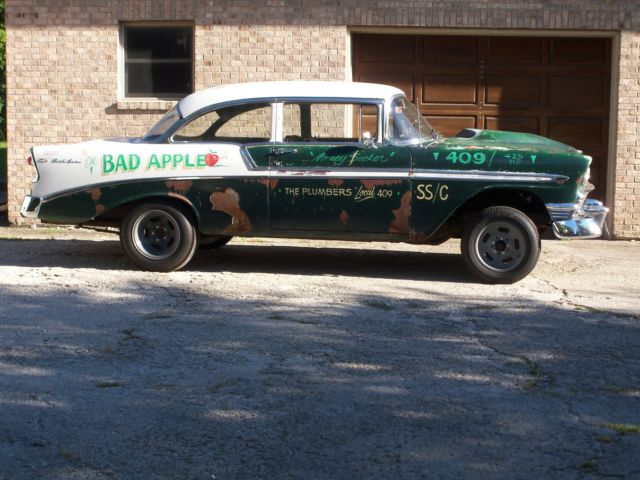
474 175
418 174
347 173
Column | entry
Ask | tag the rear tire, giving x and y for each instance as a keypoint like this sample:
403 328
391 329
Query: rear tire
158 237
500 245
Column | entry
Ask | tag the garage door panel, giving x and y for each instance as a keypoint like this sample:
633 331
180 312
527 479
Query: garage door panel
450 49
577 91
388 48
513 124
451 125
510 50
452 89
512 90
404 82
581 51
555 86
580 132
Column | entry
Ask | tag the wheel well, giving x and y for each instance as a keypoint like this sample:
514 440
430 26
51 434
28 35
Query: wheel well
114 216
523 200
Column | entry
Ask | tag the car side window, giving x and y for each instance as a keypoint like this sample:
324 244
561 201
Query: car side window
197 128
248 123
329 122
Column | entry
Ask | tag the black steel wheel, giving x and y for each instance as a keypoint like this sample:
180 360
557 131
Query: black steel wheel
500 245
158 237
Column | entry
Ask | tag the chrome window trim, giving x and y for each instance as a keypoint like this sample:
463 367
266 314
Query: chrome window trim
167 138
184 121
331 100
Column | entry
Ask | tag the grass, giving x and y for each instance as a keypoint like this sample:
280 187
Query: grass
66 454
129 334
622 428
621 390
3 159
588 466
604 439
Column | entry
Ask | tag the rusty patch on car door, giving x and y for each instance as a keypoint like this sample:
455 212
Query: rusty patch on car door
229 203
400 223
179 186
96 195
273 182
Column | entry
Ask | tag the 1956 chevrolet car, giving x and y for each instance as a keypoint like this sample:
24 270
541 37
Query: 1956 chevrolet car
331 160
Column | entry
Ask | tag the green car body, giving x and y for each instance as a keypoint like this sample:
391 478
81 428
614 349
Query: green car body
419 188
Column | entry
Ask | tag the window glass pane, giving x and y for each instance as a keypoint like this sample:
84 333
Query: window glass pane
329 122
406 125
369 119
158 42
238 124
246 126
158 79
158 61
291 124
198 129
163 125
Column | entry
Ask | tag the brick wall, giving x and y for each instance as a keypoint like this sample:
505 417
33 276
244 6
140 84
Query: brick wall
627 166
62 61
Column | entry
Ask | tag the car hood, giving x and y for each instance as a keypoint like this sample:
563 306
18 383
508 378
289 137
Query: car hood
501 140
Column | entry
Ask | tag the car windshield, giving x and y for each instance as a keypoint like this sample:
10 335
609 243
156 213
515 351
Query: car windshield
160 128
406 125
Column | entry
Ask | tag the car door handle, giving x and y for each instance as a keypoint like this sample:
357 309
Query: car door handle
277 152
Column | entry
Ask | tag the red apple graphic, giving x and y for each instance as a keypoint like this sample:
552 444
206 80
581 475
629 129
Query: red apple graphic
211 159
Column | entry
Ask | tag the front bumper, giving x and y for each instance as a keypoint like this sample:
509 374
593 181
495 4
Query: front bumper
580 221
30 207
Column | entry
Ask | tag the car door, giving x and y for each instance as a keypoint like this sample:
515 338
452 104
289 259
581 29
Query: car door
330 171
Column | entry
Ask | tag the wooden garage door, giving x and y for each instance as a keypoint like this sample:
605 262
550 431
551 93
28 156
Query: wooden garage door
555 87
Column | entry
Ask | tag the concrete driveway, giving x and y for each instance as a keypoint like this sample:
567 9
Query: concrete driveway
314 360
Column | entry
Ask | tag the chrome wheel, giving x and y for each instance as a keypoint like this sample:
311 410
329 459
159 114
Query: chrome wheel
156 234
501 246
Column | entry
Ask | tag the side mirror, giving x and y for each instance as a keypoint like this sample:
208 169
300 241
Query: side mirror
368 141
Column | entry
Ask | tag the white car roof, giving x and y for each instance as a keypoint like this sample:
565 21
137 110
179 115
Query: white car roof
291 89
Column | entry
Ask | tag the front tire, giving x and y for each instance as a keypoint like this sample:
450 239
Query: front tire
158 237
500 245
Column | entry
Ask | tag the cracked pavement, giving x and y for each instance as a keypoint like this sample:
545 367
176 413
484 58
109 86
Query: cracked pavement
307 359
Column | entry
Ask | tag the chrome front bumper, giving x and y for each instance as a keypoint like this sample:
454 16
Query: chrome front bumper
578 221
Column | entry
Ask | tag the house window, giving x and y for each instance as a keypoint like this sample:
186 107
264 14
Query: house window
158 61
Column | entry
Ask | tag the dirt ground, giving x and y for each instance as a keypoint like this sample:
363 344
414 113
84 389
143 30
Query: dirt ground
278 359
